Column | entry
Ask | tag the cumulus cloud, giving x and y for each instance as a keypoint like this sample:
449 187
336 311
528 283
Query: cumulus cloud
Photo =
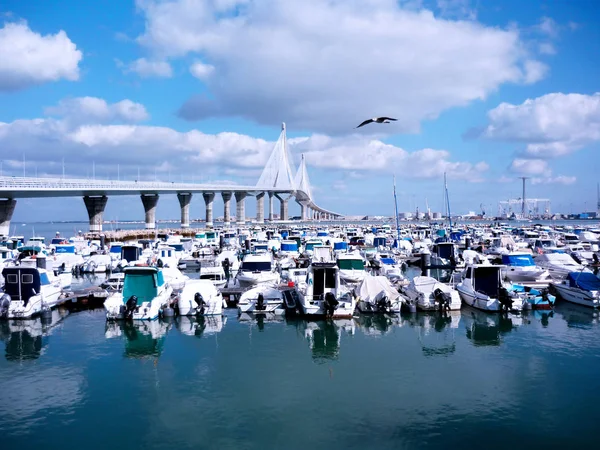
530 166
92 109
201 71
146 68
27 58
79 132
551 125
325 66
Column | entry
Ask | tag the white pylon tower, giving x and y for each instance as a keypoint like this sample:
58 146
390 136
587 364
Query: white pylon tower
277 174
301 181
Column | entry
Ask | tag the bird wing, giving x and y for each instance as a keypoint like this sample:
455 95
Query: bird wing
365 122
388 118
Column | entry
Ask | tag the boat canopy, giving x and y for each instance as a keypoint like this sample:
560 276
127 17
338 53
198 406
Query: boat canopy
373 288
520 260
115 248
389 261
287 246
22 283
584 280
143 282
351 264
64 248
341 245
487 280
379 241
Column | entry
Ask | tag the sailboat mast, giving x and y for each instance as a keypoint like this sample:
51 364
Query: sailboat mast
447 201
396 211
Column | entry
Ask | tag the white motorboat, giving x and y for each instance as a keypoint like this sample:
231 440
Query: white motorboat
558 264
428 294
580 287
352 267
144 294
28 291
97 264
213 272
174 277
200 297
322 293
257 269
375 294
519 267
481 287
261 300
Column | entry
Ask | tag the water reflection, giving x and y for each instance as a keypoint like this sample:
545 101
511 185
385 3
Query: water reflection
377 324
323 336
142 338
437 332
27 339
260 319
578 316
200 325
486 328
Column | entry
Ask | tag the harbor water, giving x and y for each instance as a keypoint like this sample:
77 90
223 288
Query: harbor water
464 380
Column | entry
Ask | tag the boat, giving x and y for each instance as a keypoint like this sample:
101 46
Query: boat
322 293
559 264
375 294
28 291
519 267
428 294
144 294
582 288
352 267
261 299
214 272
481 287
534 298
257 269
200 297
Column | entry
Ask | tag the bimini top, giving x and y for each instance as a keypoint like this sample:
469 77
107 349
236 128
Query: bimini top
518 260
143 282
584 280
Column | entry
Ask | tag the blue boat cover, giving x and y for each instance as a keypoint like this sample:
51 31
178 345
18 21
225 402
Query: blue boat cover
63 248
289 247
517 260
379 241
340 245
584 280
387 260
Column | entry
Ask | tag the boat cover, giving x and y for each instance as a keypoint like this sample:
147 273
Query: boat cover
518 260
584 280
373 288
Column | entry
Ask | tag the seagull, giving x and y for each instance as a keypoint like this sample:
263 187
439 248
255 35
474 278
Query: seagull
378 120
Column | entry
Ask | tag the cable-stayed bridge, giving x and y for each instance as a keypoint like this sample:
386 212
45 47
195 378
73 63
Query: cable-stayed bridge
276 181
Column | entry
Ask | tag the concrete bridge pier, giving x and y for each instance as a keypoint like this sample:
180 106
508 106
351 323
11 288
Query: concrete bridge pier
95 208
283 210
208 201
271 194
7 208
260 207
240 207
226 208
184 201
149 201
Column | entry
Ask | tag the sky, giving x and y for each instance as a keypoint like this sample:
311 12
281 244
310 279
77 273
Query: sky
196 91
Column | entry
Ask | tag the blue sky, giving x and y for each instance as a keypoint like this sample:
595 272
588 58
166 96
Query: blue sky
197 90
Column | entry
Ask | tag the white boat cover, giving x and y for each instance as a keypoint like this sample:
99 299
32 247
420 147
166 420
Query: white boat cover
269 294
427 285
373 288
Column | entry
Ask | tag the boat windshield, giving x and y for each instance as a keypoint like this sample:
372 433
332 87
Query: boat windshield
256 266
142 285
349 264
487 281
211 276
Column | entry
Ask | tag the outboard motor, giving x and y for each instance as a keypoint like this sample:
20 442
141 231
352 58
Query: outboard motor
330 303
130 306
160 263
384 304
443 299
201 303
260 303
4 305
505 299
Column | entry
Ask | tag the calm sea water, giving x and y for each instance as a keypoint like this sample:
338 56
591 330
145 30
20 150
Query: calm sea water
462 381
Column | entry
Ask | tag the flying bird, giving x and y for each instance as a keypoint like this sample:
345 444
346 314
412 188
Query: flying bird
378 120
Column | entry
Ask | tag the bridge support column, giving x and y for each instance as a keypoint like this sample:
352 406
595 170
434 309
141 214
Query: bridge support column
208 201
240 207
226 208
95 208
7 208
184 202
271 194
149 202
260 207
283 210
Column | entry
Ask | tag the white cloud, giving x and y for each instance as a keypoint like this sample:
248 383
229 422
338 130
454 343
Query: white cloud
28 58
325 66
546 48
548 26
201 71
81 134
560 179
550 126
530 166
92 109
150 68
